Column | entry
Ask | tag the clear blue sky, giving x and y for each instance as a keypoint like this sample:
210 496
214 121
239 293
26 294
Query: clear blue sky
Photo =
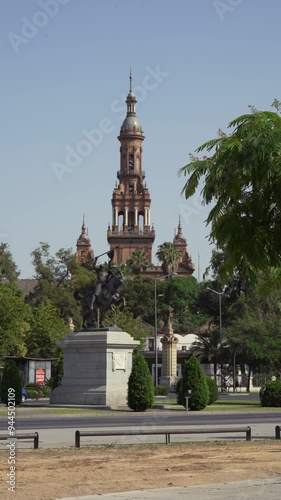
72 73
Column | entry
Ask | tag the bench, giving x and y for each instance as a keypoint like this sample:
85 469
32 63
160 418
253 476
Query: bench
158 431
34 436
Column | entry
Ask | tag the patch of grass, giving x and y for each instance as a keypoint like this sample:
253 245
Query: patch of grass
249 408
238 402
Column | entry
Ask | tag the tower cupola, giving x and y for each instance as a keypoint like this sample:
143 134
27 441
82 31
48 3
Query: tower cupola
131 124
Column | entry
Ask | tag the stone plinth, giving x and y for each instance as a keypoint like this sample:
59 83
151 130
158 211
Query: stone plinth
97 365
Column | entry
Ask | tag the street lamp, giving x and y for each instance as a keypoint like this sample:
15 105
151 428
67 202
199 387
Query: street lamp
220 320
155 322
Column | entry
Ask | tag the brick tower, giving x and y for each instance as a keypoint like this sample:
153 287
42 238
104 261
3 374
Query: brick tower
84 251
131 229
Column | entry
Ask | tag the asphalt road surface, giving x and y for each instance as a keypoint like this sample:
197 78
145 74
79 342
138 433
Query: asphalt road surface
161 418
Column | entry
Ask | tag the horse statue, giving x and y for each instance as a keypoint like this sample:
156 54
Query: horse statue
99 300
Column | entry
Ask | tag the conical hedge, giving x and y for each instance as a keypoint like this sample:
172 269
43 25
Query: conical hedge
140 385
193 380
10 384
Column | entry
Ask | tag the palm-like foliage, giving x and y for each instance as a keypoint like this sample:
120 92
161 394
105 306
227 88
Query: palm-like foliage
208 347
243 178
138 262
169 257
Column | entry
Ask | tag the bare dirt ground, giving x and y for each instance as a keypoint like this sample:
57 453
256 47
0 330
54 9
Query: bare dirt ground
48 474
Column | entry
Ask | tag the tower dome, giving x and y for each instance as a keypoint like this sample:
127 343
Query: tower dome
131 124
84 238
84 253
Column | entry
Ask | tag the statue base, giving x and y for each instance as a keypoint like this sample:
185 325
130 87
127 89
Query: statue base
169 382
97 366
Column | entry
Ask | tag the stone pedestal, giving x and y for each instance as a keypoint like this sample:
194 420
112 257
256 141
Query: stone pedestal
97 365
169 360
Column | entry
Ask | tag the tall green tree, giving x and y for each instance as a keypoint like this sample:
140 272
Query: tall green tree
241 173
14 320
134 326
55 282
53 268
139 297
168 256
179 294
208 347
253 332
138 262
8 268
46 327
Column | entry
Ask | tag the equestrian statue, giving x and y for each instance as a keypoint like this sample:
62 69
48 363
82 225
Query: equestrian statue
105 293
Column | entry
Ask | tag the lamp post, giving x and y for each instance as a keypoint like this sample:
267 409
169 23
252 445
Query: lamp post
155 323
220 321
234 361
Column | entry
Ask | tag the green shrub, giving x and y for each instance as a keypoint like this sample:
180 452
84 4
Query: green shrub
42 390
140 386
35 387
10 384
271 395
161 390
33 394
45 391
193 380
213 390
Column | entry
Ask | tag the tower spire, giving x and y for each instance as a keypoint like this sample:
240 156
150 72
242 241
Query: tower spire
131 78
179 227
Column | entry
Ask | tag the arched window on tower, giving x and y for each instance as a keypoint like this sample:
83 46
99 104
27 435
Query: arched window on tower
131 161
141 221
83 256
121 221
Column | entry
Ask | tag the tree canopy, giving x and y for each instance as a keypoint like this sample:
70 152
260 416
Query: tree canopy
168 257
179 294
54 281
8 268
242 178
14 320
138 262
46 328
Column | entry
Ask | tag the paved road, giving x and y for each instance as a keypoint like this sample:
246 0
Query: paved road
163 417
247 490
59 431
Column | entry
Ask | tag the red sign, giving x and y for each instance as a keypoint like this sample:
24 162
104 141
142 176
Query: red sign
40 376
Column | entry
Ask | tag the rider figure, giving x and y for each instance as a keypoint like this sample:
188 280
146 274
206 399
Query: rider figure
102 277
